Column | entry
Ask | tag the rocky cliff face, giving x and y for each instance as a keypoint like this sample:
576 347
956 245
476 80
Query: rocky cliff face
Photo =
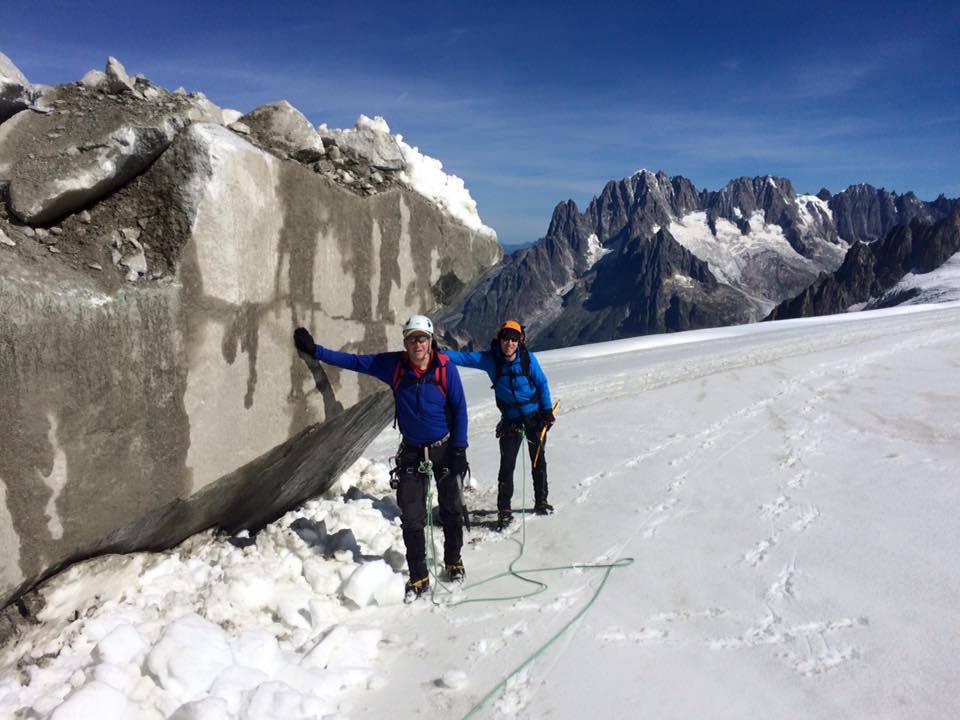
647 286
157 253
864 213
869 271
760 240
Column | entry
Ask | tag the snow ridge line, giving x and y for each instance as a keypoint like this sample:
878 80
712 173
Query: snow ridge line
582 395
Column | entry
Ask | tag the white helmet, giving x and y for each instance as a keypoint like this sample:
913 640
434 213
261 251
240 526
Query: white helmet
418 323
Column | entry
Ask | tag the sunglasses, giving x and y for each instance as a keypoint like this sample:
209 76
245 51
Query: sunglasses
510 337
416 339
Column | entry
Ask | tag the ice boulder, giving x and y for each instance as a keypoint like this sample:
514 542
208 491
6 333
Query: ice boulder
248 246
373 582
15 89
370 139
117 79
282 129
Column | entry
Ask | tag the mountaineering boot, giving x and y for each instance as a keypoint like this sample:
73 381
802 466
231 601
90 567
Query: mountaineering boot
415 589
543 508
455 571
504 518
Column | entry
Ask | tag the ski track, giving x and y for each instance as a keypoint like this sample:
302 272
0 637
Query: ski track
807 646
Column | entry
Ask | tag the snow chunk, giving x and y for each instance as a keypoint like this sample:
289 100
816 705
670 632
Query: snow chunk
189 656
371 138
454 679
378 123
425 175
207 709
94 701
122 645
374 582
279 701
345 647
259 650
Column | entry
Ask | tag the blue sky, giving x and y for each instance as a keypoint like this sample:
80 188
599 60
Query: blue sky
534 103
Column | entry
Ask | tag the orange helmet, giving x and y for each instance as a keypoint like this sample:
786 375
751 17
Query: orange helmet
511 327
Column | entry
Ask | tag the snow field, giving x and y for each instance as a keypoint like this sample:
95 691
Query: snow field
729 251
787 562
787 490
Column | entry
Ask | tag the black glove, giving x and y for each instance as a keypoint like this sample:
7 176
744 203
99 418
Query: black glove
547 418
458 462
304 341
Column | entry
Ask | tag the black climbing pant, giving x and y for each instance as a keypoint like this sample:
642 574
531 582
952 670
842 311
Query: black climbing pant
511 434
412 499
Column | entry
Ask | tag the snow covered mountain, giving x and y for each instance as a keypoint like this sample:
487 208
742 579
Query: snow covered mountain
787 492
590 278
871 274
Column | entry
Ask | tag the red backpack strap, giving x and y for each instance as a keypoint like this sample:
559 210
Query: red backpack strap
397 375
441 372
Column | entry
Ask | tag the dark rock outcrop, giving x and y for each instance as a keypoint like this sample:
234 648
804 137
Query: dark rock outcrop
647 286
870 270
863 213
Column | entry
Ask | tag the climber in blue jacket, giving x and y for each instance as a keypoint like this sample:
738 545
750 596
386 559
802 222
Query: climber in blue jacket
526 409
431 412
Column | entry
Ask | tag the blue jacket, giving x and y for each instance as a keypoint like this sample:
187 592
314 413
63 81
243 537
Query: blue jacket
516 395
421 405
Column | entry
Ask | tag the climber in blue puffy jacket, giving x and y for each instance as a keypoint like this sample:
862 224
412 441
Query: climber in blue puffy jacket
523 396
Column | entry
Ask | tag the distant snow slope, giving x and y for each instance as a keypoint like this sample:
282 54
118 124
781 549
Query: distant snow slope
937 286
788 491
729 251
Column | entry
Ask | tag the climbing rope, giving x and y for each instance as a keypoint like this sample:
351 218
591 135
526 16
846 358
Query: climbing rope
426 467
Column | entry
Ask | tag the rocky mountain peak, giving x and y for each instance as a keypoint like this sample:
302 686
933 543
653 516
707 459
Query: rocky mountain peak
565 220
759 239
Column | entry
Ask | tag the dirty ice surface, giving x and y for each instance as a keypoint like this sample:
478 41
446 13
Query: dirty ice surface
787 490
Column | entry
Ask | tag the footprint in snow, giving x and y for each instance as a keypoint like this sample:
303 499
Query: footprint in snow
775 508
617 636
809 516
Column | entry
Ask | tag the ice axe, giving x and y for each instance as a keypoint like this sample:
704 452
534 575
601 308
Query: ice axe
543 434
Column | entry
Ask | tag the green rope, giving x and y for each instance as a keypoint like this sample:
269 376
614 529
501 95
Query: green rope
426 467
511 571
